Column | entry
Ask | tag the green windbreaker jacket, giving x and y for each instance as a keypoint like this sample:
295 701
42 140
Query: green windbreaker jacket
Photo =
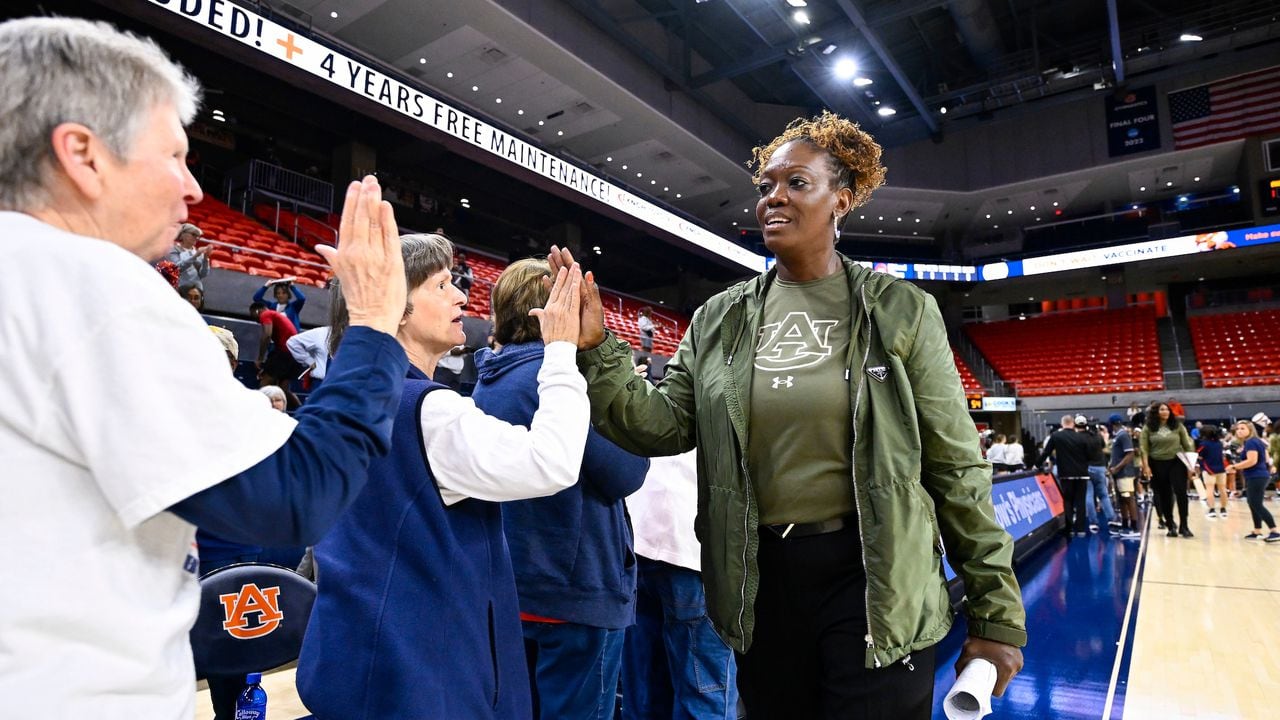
918 475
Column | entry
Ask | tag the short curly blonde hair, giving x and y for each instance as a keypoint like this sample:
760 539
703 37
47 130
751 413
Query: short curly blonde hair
855 153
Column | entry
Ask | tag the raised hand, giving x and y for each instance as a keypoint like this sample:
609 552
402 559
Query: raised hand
591 324
367 260
559 320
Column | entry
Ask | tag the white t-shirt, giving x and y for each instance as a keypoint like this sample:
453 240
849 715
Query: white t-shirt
995 454
663 509
115 403
311 348
1013 453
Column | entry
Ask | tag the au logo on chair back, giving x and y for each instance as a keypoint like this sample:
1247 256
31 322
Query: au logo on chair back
252 612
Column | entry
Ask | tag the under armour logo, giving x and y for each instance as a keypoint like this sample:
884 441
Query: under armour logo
878 372
783 382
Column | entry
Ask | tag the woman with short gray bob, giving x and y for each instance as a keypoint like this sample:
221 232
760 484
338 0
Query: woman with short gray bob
417 613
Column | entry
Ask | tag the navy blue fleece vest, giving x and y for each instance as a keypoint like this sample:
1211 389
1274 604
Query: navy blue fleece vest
417 613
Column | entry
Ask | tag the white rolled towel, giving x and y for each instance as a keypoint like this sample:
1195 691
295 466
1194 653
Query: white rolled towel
970 697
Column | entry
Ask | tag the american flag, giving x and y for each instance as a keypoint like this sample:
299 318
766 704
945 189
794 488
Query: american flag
1227 109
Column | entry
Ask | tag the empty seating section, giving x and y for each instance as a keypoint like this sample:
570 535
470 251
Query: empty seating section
1075 353
484 273
1239 348
254 249
967 378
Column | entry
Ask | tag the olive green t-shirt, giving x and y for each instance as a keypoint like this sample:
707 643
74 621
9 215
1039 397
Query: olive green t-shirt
799 455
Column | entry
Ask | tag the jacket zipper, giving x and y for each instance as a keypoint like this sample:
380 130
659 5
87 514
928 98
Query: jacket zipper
746 477
857 504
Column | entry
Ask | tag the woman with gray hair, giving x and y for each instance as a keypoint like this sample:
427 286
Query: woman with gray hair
97 525
417 614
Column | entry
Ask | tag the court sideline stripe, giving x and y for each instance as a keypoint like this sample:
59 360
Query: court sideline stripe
1128 614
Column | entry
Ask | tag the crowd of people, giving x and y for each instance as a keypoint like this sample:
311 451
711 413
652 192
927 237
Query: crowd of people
501 519
1151 456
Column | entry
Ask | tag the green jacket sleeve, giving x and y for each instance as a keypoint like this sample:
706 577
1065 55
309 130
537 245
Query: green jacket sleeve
634 414
959 482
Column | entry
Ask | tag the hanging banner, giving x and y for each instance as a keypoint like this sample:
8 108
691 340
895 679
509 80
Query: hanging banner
285 45
1132 123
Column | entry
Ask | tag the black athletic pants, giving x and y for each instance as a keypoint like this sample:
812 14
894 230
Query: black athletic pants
806 659
1169 482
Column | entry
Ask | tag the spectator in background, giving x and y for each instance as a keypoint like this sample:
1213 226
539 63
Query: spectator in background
1176 408
1013 453
194 295
645 323
1097 493
273 355
1123 468
1273 445
310 349
120 427
1214 467
417 613
276 396
1165 436
1253 464
995 454
229 344
192 262
288 300
572 552
674 665
1070 451
449 369
461 274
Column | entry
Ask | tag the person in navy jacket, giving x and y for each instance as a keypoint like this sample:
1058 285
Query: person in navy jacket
572 551
289 299
416 614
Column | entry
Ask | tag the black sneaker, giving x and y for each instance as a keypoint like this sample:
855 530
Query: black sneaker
1161 525
1253 536
1273 537
1186 532
1171 533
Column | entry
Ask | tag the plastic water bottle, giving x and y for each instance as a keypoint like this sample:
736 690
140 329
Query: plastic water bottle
252 703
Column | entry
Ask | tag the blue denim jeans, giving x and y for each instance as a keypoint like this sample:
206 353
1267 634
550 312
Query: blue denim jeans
573 670
674 664
1098 488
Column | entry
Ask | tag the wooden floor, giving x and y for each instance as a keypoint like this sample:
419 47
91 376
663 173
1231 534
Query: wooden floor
1207 641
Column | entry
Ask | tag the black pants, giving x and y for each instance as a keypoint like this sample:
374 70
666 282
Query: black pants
1073 502
1254 489
806 658
1169 483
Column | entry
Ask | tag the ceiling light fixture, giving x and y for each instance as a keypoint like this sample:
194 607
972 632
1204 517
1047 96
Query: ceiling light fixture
519 112
334 15
828 49
498 100
448 75
1142 188
863 81
1190 37
943 110
475 88
422 61
678 196
886 111
797 3
560 133
1196 179
845 68
1168 183
801 17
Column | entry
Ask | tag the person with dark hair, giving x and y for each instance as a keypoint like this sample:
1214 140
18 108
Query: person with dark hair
1253 464
1122 469
461 274
815 392
572 552
275 363
194 295
1214 469
1164 437
288 299
416 614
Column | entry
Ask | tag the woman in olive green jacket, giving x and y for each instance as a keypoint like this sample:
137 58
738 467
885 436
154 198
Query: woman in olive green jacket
1164 438
835 454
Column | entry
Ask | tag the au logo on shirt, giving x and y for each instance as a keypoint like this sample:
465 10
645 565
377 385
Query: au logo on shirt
796 342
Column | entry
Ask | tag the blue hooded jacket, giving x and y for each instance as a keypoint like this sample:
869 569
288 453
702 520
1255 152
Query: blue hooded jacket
572 551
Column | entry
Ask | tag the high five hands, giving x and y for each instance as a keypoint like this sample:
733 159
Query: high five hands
591 323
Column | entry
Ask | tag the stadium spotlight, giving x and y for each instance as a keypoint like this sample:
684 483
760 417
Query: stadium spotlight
863 81
845 68
886 111
801 17
1190 37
